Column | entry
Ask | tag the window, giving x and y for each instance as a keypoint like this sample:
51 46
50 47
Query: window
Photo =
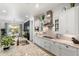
57 25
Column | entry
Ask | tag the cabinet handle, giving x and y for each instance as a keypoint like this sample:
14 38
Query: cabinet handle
66 46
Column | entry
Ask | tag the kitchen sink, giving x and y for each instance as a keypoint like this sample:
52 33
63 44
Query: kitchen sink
48 37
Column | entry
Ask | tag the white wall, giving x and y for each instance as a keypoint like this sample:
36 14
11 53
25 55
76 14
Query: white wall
2 24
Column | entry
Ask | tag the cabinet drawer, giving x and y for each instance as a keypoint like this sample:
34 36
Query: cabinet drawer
67 47
68 50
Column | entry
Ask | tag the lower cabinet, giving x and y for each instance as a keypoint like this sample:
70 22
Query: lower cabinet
67 50
77 51
47 44
35 39
56 48
44 43
63 50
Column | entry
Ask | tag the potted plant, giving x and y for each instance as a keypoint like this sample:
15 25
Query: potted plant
42 17
6 42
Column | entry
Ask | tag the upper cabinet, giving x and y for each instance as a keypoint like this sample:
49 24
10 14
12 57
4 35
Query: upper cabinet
69 21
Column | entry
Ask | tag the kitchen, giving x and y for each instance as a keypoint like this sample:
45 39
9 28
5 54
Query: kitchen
58 32
42 29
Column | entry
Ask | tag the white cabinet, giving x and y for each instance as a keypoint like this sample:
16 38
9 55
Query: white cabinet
68 50
55 48
47 44
35 39
77 51
39 41
52 47
43 42
62 22
69 21
63 50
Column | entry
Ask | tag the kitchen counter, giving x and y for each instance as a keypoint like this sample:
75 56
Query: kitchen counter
62 41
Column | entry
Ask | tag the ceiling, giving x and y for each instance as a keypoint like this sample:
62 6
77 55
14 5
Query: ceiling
16 12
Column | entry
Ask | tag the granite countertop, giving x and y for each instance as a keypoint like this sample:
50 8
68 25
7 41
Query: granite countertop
24 50
62 41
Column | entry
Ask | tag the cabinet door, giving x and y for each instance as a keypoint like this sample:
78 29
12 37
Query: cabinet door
42 44
35 39
55 48
68 50
62 23
47 44
77 52
39 41
52 50
70 21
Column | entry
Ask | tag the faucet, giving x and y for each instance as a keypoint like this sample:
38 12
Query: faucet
58 36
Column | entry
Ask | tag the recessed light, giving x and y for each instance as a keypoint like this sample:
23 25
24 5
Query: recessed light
4 11
37 5
26 16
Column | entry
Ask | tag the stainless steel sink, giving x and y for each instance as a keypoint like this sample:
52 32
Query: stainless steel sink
48 37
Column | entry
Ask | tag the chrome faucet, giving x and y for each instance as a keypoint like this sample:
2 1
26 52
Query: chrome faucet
58 36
